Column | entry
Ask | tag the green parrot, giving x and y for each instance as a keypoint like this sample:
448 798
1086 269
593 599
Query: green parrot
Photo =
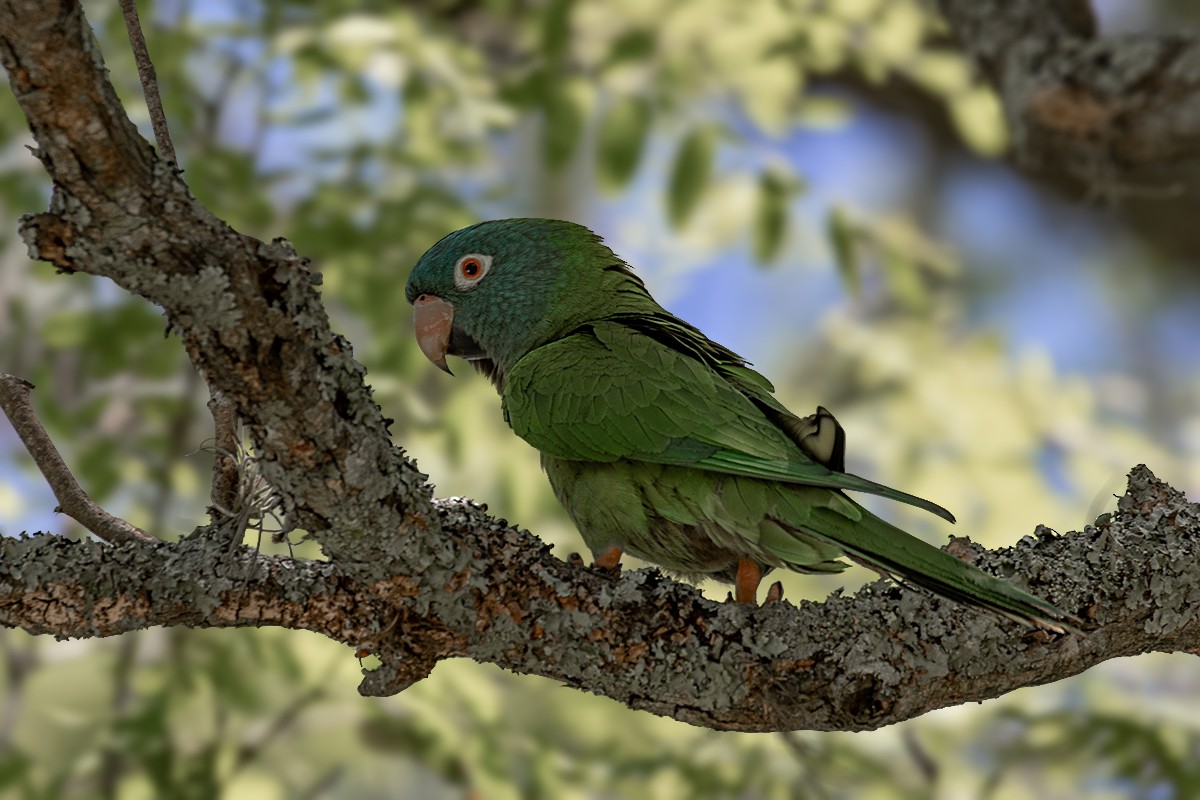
657 440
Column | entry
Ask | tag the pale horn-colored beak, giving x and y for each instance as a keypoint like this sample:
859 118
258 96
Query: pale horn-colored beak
433 321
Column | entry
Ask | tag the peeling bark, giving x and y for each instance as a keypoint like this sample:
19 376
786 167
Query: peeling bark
418 582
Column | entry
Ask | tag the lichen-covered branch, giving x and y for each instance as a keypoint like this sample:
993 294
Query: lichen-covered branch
52 585
248 312
496 595
849 663
418 582
1107 106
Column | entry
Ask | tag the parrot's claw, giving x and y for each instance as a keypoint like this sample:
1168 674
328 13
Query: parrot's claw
774 593
575 560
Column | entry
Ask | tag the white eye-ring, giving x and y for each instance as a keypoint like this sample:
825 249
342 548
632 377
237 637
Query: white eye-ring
470 269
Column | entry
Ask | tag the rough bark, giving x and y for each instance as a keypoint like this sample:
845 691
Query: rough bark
418 582
248 312
1107 105
495 594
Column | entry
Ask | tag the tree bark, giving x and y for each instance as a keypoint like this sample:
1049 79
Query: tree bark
495 594
1109 106
248 312
417 581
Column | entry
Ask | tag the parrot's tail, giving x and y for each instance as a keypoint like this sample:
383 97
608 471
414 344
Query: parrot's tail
899 555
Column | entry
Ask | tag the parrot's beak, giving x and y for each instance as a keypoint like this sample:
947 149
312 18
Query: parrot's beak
433 322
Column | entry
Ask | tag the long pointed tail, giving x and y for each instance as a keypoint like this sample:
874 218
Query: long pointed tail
887 549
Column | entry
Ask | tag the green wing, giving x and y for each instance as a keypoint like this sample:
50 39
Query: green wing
609 392
819 435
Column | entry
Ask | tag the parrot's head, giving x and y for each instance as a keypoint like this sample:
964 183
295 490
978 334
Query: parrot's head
494 291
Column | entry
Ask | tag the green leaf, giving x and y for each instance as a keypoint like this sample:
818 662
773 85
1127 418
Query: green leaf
145 736
903 279
635 46
842 234
525 91
113 336
67 329
622 138
563 124
690 174
14 765
556 30
410 736
230 676
776 188
354 90
979 118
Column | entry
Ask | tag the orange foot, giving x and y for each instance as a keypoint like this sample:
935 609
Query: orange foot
749 574
609 560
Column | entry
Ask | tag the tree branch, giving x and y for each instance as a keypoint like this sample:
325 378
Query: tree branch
145 67
72 500
224 493
248 312
1106 105
52 585
418 582
495 594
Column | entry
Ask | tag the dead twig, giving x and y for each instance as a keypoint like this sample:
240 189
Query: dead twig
225 478
145 68
72 500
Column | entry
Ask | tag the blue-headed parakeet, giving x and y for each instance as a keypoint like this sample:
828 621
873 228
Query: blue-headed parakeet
657 440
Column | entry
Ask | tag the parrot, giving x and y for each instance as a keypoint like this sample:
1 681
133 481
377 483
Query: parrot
656 440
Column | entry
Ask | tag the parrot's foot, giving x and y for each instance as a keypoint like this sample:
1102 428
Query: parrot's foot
749 575
609 560
774 593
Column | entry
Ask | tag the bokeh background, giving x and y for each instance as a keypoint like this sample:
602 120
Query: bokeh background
823 185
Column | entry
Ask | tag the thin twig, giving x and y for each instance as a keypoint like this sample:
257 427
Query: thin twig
279 726
925 762
145 68
72 500
810 758
225 477
324 783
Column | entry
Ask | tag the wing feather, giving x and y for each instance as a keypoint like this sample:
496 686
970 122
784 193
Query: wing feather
609 392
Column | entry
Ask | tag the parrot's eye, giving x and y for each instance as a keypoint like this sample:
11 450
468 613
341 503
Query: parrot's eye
470 269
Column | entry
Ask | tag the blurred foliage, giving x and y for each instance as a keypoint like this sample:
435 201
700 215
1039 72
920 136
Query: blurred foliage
1120 753
364 131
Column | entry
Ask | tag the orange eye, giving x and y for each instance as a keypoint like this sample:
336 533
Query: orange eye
470 269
